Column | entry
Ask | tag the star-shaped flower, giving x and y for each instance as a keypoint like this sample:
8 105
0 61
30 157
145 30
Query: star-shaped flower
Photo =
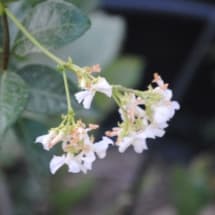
101 85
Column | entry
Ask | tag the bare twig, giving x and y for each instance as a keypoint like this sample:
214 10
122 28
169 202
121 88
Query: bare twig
6 42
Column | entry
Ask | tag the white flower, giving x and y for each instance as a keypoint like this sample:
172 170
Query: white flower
152 131
164 112
76 163
87 95
56 163
46 139
81 162
138 140
131 108
101 147
165 109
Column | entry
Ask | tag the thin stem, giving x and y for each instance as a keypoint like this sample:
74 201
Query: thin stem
6 42
32 39
68 98
147 95
119 87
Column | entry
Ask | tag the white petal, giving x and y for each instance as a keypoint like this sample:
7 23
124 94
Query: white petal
73 163
86 161
86 97
44 140
162 114
88 100
81 95
56 162
140 112
89 157
87 165
103 86
139 145
74 166
58 138
126 142
152 131
101 147
167 94
175 105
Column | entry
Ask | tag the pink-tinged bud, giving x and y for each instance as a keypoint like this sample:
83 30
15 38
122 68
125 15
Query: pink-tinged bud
95 68
93 126
57 139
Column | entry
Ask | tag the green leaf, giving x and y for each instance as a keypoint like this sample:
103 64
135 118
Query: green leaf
126 71
46 89
54 24
13 98
101 44
93 47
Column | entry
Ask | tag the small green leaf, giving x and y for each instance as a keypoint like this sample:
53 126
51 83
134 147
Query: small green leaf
54 24
46 89
13 98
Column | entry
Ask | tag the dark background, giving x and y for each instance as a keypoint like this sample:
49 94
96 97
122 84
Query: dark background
176 39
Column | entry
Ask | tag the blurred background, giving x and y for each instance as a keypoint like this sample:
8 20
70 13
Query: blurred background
131 39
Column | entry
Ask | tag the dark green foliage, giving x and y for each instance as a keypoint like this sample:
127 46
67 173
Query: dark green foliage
13 98
54 24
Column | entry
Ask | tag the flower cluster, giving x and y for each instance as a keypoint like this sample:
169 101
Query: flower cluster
144 115
79 149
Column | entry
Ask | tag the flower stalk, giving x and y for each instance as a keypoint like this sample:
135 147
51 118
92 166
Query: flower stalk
69 106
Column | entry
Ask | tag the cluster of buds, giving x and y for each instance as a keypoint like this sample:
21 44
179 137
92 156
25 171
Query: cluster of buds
144 115
79 149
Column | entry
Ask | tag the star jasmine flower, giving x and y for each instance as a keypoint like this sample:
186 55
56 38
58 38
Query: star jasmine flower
56 163
164 112
165 109
101 85
46 140
76 163
131 109
101 147
137 140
